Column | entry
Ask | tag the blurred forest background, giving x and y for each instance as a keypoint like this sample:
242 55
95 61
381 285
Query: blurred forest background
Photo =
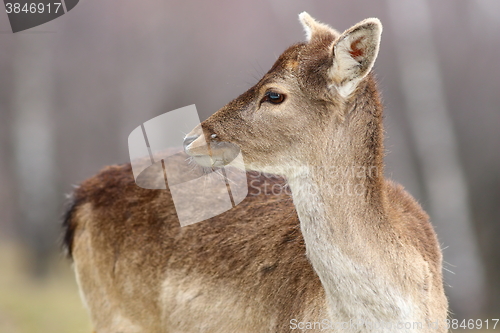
72 90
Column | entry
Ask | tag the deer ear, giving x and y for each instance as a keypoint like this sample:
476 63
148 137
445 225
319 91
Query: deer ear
354 54
313 28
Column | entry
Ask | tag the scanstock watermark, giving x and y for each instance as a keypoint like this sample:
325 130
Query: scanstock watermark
25 15
380 326
373 326
159 162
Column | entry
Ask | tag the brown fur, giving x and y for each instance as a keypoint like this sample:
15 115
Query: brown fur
136 233
251 269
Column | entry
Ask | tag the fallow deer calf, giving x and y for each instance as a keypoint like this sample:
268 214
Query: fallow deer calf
353 250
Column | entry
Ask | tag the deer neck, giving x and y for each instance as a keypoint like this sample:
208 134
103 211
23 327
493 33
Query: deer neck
339 200
339 196
342 185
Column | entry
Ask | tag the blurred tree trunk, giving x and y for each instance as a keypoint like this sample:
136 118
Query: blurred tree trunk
433 133
33 141
6 183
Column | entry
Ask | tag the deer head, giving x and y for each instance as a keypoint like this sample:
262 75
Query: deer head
289 117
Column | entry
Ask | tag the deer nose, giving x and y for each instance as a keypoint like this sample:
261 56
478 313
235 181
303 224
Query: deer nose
188 140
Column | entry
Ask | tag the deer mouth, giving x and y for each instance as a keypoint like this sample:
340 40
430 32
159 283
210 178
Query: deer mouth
212 155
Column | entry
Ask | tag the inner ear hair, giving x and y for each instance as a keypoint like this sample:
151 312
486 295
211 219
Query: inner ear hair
354 54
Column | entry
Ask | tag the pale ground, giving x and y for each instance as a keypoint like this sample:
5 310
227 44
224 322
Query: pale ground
48 306
52 305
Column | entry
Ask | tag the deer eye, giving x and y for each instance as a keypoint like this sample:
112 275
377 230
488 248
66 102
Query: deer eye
273 97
